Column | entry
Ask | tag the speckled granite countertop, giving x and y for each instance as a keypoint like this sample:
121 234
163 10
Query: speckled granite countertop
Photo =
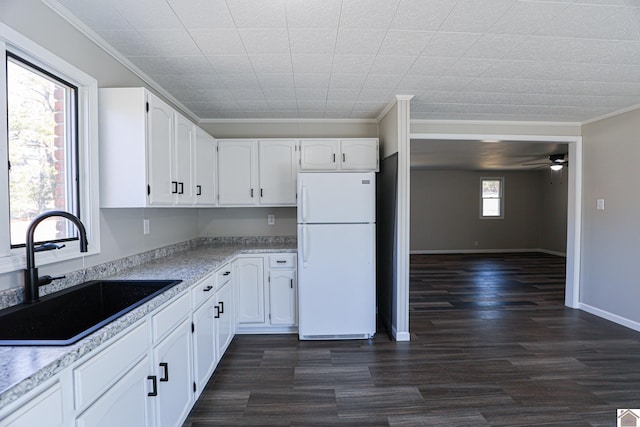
24 368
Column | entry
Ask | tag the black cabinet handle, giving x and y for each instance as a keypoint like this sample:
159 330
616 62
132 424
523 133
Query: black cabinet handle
291 283
261 192
198 190
281 261
334 157
226 273
174 187
344 158
165 372
154 386
252 192
208 288
221 307
181 188
217 316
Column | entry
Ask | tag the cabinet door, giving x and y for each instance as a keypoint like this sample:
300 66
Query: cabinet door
225 324
250 284
278 170
160 128
125 404
359 154
204 346
237 166
46 405
319 154
205 168
282 297
184 143
172 367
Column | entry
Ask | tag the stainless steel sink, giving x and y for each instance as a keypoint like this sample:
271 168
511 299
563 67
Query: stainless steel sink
67 316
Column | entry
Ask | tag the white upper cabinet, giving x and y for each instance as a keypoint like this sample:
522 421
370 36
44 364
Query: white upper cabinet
182 179
205 169
146 151
319 154
252 172
237 172
327 155
359 154
160 129
278 171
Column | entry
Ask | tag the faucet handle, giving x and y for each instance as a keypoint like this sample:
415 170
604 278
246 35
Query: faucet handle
45 280
49 246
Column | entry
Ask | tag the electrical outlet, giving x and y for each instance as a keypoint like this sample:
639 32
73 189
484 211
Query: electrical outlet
600 204
145 226
271 219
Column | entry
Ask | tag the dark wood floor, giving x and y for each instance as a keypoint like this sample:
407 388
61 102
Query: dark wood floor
491 345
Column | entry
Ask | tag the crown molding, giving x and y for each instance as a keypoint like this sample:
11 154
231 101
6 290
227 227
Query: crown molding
494 122
104 45
612 114
391 103
292 120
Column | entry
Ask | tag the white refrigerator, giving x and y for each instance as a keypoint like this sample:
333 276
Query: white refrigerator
336 256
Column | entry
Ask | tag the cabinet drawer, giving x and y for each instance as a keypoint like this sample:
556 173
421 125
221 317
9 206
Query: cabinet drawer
282 261
203 291
96 375
169 317
223 275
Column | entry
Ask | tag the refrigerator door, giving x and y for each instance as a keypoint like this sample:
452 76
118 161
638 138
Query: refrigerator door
336 281
325 198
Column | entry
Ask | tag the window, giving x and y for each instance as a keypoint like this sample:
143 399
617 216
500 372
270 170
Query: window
42 150
49 147
491 197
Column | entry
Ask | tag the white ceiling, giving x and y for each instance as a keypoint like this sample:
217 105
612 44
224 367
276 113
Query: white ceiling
532 60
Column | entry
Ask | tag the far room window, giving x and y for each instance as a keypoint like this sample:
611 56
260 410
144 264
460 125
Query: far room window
491 197
42 150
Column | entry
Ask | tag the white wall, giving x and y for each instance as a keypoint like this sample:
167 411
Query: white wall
121 229
290 128
233 222
610 276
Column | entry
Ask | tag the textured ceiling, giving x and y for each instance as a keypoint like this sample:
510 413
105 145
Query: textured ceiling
552 60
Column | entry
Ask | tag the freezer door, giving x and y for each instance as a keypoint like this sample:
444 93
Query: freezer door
336 197
336 281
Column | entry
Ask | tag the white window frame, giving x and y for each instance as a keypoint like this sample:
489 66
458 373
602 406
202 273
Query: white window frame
501 197
14 259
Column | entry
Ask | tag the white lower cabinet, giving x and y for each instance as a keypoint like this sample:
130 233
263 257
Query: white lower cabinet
267 296
47 402
249 273
124 404
172 369
205 356
225 319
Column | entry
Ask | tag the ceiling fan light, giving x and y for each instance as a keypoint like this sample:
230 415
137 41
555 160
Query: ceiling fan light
556 167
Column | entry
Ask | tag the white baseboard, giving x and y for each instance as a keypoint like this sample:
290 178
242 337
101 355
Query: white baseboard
610 316
482 251
401 336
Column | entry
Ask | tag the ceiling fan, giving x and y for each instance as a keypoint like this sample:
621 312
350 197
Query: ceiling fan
556 162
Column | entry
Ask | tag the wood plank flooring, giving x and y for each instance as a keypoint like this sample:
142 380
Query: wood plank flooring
491 345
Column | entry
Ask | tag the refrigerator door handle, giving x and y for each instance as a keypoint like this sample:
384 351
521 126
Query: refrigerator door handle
303 203
305 244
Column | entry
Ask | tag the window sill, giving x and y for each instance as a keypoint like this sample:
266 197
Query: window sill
17 259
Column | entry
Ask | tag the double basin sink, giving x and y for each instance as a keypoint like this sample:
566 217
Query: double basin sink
70 315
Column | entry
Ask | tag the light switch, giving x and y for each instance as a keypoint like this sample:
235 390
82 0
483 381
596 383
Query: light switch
271 219
145 226
600 204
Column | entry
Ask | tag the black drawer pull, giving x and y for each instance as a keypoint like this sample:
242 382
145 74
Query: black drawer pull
181 188
217 316
198 190
208 288
154 386
226 273
221 307
174 187
165 373
281 261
